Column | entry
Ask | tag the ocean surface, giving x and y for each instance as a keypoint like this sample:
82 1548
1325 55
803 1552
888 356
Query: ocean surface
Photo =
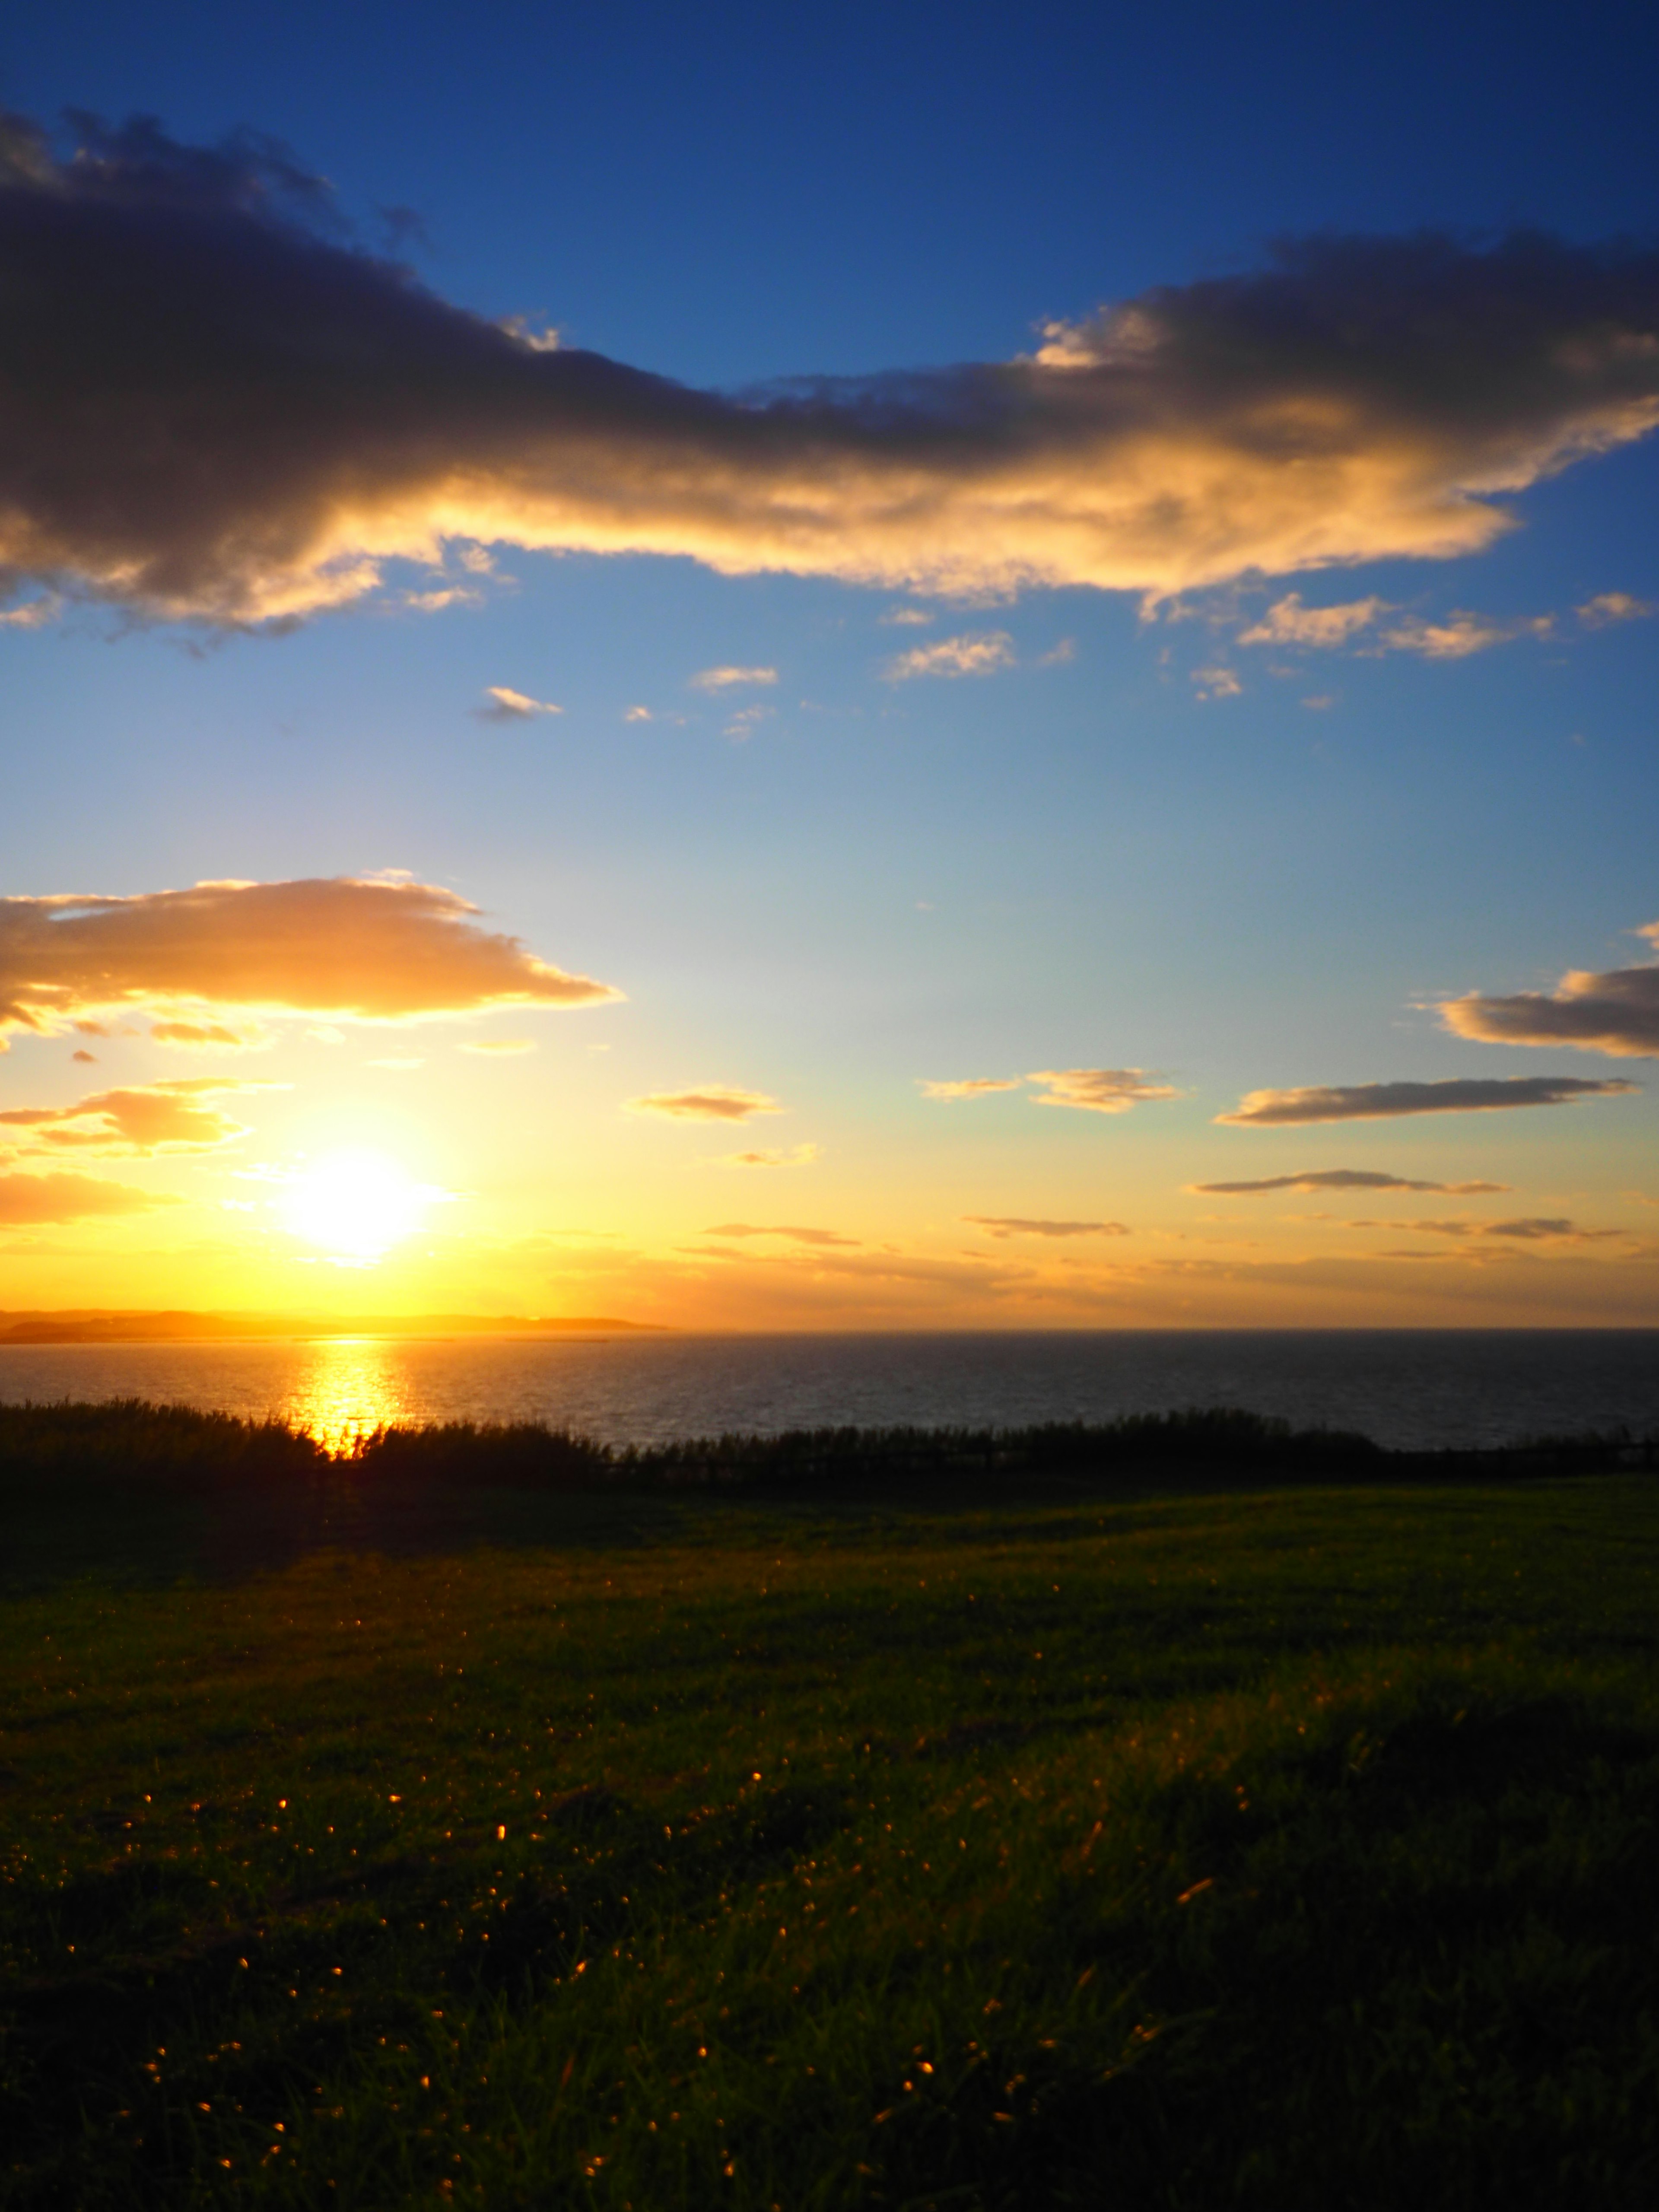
1412 1388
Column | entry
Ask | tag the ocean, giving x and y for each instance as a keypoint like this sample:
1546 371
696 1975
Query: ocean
1412 1388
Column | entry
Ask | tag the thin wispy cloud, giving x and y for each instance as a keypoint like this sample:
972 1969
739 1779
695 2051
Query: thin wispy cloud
1460 633
507 705
821 1238
1410 383
363 948
1615 1011
1289 623
1341 1179
35 1199
981 654
1615 607
972 1086
796 1155
1449 637
710 1102
209 1036
1216 683
1533 1229
1372 1102
1008 1224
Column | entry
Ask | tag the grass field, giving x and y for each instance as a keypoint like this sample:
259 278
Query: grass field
1123 1842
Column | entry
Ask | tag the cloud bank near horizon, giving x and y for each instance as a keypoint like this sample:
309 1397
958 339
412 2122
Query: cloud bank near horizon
1342 1179
217 411
356 948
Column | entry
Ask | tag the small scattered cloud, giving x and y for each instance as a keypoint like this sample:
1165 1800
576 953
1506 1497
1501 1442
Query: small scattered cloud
797 1156
507 705
499 1048
1216 683
1058 655
747 720
1615 1011
155 1117
1004 1225
33 614
1320 701
433 601
981 654
1101 1090
728 678
712 1102
907 617
1461 632
37 1199
208 1036
638 714
972 1086
86 1058
1342 1179
1370 1101
822 1237
1287 622
1613 607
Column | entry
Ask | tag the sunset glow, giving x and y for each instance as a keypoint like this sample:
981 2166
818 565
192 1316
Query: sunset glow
355 1206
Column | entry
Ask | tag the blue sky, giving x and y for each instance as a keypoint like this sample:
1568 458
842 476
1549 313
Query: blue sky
1120 840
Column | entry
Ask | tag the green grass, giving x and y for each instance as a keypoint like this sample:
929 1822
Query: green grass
1269 1847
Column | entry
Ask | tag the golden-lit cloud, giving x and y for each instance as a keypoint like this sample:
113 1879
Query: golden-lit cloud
507 705
1342 1179
1613 607
1100 1090
173 1116
712 1102
1287 622
727 680
215 410
1615 1011
1003 1225
972 1086
1460 633
983 655
1372 1102
1451 637
1216 683
208 1036
364 949
35 1199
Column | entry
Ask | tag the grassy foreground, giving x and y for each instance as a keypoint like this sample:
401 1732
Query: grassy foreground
1275 1847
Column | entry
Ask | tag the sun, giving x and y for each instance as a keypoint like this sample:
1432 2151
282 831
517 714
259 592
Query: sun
355 1206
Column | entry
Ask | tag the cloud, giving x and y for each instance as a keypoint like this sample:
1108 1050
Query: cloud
818 1237
746 721
1613 607
153 1117
35 1199
1100 1090
1342 1179
206 1035
1287 622
33 614
1461 633
907 617
995 1224
366 949
714 1101
501 1047
1534 1229
725 679
981 655
1616 1012
88 1058
973 1086
1216 683
639 714
801 1156
1370 1101
218 408
507 705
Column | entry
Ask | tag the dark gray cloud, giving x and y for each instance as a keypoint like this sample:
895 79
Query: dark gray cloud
1616 1012
216 406
1370 1101
1341 1179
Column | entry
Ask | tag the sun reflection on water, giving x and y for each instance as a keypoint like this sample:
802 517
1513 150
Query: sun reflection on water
350 1386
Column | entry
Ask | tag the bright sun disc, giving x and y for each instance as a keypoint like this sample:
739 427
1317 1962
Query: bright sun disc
356 1204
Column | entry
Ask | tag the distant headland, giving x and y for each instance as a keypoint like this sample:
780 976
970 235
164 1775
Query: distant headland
106 1325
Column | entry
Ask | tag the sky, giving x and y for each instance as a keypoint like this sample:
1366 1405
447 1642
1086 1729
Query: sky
887 668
